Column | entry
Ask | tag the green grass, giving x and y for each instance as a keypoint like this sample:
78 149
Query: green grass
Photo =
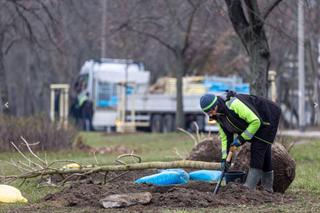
150 146
161 147
308 167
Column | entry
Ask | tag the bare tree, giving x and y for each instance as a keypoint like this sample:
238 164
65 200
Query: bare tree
248 22
18 22
183 29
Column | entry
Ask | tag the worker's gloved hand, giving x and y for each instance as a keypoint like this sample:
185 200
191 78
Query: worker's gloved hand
225 165
237 142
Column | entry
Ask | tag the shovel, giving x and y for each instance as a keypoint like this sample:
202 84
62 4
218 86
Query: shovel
229 158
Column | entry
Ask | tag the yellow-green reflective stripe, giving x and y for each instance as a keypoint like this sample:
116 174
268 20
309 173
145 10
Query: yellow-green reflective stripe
263 140
210 105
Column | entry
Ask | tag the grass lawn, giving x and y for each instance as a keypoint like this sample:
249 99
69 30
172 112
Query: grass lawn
161 147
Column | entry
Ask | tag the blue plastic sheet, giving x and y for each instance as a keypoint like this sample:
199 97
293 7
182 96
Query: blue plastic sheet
206 175
166 177
181 172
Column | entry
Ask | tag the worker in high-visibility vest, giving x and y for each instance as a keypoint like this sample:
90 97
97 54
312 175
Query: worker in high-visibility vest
85 107
246 118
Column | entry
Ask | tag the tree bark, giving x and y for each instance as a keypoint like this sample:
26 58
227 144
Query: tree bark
252 35
180 120
3 79
259 63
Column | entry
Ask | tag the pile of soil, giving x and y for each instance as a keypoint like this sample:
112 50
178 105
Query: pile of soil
192 195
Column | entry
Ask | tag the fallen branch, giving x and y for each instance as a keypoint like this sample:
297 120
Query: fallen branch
25 157
32 169
30 150
127 167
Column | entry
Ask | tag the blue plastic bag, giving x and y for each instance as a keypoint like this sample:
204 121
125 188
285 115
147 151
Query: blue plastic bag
164 178
181 172
206 175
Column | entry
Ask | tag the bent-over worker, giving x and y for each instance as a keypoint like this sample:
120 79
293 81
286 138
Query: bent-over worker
246 118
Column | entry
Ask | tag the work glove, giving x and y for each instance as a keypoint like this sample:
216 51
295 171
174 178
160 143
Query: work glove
238 141
225 165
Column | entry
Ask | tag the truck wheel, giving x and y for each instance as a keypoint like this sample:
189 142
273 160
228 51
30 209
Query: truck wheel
200 119
168 123
156 123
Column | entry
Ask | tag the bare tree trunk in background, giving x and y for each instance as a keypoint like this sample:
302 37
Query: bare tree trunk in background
251 31
317 87
259 63
180 120
103 28
3 79
27 85
313 96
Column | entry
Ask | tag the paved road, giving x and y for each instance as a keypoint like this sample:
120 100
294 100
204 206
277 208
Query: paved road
298 133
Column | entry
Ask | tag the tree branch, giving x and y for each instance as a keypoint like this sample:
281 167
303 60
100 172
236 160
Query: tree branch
173 14
154 37
186 42
21 9
238 20
25 20
268 10
253 12
127 167
236 14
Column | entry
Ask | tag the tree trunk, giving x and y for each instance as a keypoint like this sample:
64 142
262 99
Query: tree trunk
3 79
252 35
180 120
259 65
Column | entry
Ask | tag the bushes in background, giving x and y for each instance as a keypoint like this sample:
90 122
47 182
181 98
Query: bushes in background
34 129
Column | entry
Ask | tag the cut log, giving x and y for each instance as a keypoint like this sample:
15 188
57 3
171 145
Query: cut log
283 165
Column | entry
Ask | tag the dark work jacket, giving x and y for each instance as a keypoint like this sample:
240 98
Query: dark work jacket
87 110
267 111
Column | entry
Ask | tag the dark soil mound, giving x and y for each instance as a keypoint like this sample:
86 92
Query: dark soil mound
191 195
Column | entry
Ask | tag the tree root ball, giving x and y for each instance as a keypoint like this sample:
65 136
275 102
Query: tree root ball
283 165
208 150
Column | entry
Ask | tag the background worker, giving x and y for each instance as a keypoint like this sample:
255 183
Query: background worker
246 118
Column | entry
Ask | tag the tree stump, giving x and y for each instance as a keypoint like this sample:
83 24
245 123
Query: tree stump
283 165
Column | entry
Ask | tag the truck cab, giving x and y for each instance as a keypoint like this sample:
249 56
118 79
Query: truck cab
101 78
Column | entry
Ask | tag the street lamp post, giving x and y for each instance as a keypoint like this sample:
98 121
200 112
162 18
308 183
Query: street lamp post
301 75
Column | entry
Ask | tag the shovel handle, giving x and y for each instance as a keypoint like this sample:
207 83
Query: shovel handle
230 154
229 157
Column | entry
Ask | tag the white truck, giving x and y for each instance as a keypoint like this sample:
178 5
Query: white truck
120 93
